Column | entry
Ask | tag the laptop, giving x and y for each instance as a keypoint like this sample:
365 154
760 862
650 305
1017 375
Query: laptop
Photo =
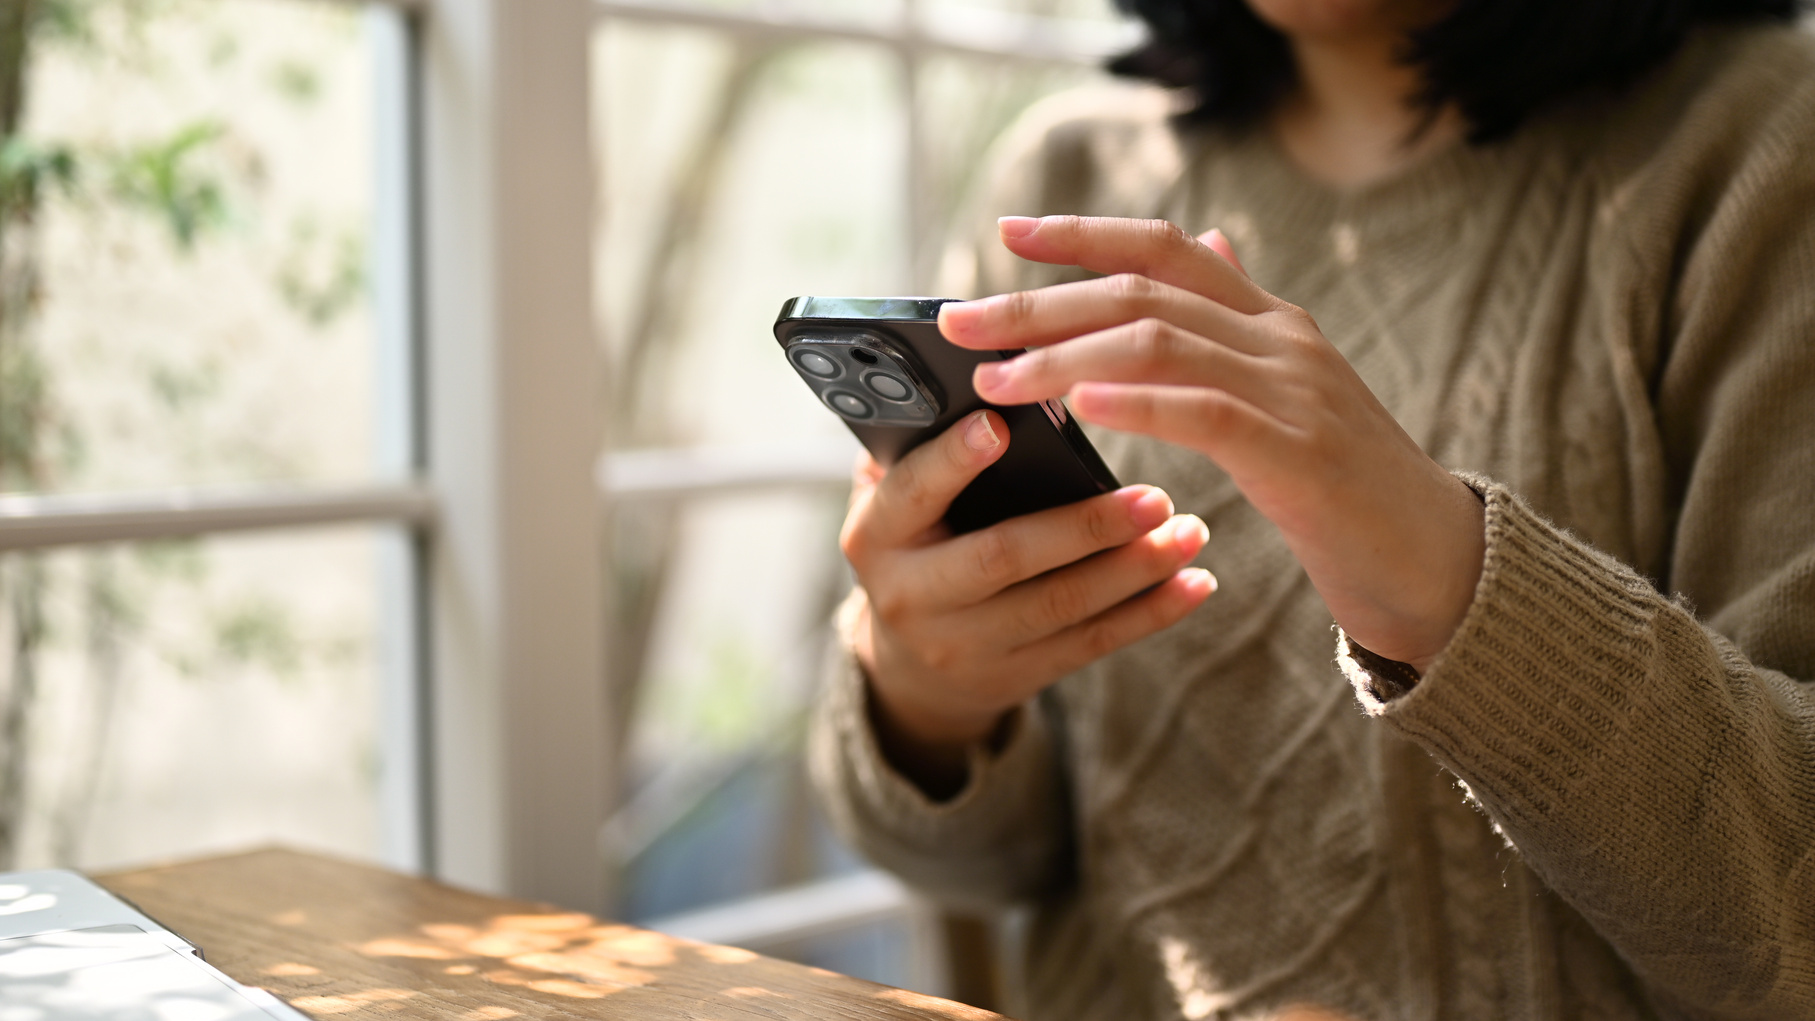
71 951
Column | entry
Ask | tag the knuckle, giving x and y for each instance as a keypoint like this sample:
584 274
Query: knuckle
995 557
1132 290
1154 342
888 604
1218 412
1100 638
1100 526
1063 601
942 656
1296 320
852 541
1279 326
911 486
1017 307
855 539
1168 236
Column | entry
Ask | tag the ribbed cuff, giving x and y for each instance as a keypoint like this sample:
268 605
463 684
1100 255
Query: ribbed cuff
994 841
1025 742
1525 695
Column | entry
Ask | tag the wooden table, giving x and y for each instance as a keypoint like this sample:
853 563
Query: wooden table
347 941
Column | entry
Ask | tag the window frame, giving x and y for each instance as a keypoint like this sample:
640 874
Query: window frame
497 767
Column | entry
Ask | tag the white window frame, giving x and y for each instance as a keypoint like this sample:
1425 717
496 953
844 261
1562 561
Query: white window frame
495 738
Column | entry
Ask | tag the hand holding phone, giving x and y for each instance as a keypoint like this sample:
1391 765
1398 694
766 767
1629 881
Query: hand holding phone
956 628
956 631
882 366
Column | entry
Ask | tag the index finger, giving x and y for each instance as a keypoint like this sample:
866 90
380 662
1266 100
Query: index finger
915 492
1152 248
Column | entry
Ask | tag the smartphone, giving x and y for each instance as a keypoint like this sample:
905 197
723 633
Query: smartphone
882 366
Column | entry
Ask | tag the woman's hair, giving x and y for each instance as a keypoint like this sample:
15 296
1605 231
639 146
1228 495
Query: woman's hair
1497 61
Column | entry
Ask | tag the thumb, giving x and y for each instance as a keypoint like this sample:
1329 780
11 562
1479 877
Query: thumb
1215 240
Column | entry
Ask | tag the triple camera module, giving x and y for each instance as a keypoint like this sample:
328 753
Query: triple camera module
858 376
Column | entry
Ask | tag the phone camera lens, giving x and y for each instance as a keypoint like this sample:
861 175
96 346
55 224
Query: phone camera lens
888 386
863 356
816 364
849 405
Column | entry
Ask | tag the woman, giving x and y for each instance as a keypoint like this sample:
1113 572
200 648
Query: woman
1545 457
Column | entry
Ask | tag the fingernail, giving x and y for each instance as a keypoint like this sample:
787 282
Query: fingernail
1147 506
1190 530
993 374
979 435
1017 226
1198 582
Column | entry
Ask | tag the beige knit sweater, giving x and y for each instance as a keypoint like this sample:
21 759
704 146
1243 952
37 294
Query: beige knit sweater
1600 802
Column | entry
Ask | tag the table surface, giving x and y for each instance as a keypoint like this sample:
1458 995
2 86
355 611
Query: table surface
344 940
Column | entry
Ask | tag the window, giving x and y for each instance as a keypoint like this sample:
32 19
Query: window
195 344
305 534
749 153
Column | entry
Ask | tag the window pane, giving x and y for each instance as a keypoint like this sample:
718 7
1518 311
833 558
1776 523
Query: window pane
200 248
735 175
185 698
966 104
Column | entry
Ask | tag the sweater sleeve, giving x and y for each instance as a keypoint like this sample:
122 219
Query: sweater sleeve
1652 757
1643 767
1003 839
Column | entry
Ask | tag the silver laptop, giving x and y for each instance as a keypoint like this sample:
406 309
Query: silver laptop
71 951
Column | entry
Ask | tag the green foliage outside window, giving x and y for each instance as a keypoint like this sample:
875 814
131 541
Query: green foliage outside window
196 184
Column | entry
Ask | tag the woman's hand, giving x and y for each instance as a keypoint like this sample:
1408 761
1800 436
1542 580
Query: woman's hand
954 631
1177 343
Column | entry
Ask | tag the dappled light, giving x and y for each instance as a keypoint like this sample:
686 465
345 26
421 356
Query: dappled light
571 955
375 944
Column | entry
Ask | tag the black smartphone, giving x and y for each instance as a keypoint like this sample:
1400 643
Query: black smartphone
882 366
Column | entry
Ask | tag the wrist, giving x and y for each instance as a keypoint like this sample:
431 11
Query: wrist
930 749
930 723
903 705
1467 557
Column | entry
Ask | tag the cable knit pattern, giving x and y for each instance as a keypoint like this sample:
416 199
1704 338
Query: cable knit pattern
1600 802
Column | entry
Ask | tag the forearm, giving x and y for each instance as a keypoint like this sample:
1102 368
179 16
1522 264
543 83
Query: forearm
1643 767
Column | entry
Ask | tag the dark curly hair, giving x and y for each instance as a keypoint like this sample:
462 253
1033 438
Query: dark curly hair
1498 61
